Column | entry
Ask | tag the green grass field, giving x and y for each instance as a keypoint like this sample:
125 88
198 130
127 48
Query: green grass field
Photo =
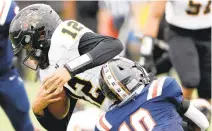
32 89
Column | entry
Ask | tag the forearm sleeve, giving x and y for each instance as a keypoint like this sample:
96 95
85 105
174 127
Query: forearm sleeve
94 53
50 123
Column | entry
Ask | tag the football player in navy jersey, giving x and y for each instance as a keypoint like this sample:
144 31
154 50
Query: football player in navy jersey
142 102
13 97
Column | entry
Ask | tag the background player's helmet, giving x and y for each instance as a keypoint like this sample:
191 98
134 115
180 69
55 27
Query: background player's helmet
202 105
32 29
120 78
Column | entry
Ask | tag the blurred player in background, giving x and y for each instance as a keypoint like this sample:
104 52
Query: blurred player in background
64 51
13 97
111 16
123 19
152 55
189 39
142 102
115 19
82 12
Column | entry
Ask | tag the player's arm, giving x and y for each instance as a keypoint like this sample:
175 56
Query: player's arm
46 97
60 109
103 124
191 112
95 50
50 122
157 9
173 92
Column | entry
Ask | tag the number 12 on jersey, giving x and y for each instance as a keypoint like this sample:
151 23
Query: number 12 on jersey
141 120
72 29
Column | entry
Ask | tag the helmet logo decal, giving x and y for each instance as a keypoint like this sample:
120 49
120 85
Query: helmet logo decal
31 18
24 26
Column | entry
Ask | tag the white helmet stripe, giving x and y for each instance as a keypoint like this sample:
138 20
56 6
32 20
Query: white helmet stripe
113 83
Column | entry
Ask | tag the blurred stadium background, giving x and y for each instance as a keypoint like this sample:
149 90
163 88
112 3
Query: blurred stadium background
99 19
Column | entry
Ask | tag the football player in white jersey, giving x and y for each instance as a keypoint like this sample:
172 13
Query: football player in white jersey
189 38
66 53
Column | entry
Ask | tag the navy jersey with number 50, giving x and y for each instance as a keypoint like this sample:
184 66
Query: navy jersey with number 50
154 109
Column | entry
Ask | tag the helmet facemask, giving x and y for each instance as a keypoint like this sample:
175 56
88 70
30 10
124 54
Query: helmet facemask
35 55
32 58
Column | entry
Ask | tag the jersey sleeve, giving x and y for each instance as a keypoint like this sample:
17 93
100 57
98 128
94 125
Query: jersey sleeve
99 48
77 48
64 46
172 90
65 42
167 88
103 124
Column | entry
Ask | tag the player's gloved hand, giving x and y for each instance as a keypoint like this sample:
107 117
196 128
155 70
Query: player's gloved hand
58 79
44 98
147 46
146 51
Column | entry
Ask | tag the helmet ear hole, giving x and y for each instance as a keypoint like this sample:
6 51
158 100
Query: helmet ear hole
120 68
31 27
141 81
